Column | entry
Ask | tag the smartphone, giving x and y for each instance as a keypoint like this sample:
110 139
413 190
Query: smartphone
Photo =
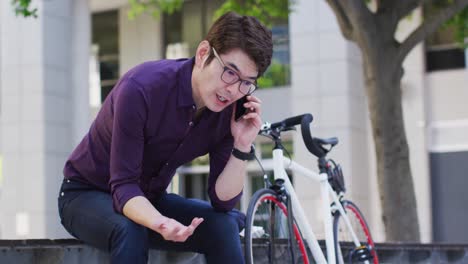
240 109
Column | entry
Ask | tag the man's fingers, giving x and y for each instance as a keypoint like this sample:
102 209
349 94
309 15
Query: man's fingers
251 115
186 232
254 99
175 231
196 222
254 107
191 228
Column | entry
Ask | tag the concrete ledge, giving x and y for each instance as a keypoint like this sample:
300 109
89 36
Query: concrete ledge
422 253
71 251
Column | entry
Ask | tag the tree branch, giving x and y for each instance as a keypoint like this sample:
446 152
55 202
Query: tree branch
385 5
429 27
342 17
361 15
404 8
390 12
361 18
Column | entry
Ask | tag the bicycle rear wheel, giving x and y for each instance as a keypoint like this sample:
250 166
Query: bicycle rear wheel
345 249
267 228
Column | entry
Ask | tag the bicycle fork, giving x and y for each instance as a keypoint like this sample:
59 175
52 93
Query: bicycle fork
280 190
299 214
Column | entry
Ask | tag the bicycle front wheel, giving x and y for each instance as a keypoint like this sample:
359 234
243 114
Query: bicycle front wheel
267 236
346 250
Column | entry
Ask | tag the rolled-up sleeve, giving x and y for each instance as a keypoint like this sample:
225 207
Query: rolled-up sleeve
219 157
129 118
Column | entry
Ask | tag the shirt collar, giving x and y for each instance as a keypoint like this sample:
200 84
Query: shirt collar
185 97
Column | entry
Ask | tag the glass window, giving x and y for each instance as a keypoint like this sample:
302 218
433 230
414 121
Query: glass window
184 30
442 50
194 185
445 58
279 72
105 35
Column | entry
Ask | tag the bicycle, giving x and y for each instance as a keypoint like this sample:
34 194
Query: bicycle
271 221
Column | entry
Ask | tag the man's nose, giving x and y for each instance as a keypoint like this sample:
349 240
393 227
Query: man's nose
233 88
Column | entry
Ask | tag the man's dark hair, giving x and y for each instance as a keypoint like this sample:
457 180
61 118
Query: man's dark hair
232 31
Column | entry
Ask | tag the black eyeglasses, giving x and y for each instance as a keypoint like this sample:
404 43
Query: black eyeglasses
229 76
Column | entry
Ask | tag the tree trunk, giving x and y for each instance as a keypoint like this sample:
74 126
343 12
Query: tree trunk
383 87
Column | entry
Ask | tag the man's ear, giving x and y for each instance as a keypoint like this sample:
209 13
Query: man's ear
202 54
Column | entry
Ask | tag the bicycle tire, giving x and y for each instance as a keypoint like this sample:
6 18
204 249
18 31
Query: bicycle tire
273 246
345 249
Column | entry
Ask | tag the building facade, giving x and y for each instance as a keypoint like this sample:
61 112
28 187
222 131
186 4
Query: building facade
56 70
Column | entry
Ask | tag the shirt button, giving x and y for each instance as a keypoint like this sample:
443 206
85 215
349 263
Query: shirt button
194 107
167 163
62 194
68 181
190 123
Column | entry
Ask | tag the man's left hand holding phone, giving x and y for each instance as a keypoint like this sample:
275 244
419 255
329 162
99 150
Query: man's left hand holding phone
241 110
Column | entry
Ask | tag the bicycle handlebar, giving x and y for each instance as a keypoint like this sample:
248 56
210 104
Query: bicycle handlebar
290 122
303 120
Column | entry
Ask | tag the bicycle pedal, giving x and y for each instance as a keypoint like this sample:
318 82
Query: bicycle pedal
361 253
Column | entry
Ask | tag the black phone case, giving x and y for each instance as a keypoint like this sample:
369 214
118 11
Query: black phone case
240 109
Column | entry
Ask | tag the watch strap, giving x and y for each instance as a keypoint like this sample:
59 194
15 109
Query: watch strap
244 155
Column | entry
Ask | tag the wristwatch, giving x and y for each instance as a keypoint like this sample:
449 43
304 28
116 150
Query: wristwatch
244 155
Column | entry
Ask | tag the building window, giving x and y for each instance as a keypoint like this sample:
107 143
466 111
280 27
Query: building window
184 30
445 57
443 52
195 185
105 37
279 72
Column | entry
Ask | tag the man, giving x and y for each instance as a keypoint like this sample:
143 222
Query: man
160 115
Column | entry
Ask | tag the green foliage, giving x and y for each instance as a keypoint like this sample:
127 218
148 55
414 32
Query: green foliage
153 7
267 11
277 75
460 23
22 7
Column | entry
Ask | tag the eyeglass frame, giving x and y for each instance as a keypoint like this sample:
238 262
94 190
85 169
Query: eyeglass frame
239 79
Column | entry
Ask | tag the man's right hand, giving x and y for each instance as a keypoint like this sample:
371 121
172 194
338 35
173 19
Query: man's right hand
141 211
172 230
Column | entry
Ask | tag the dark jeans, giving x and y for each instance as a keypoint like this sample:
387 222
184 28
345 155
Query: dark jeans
88 215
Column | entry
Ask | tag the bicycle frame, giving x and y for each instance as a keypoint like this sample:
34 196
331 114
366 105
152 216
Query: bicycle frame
279 163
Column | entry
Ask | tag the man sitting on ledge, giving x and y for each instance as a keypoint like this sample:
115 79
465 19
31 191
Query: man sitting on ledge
160 115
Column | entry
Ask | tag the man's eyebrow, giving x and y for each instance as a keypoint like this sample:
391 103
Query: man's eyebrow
237 69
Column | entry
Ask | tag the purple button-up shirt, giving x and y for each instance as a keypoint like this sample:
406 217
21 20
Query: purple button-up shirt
145 130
